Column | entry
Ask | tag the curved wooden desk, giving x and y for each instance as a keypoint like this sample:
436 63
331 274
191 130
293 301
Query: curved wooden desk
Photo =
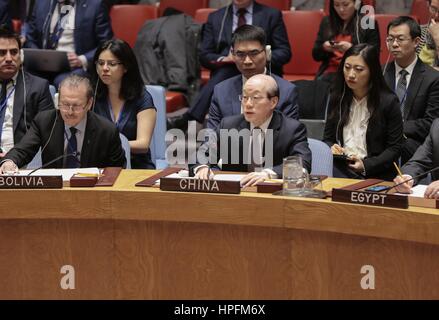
142 243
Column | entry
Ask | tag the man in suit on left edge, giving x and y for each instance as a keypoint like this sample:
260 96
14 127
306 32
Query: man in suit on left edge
22 94
74 134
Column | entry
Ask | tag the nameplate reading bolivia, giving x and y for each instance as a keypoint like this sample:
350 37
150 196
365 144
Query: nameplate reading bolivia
31 182
199 185
370 198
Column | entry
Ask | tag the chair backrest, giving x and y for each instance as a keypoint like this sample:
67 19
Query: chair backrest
278 4
36 162
383 20
126 148
314 128
420 10
322 159
128 19
202 14
158 143
188 6
302 28
313 98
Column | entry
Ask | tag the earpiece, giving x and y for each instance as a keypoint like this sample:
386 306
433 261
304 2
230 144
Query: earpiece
21 55
56 100
268 52
339 119
357 4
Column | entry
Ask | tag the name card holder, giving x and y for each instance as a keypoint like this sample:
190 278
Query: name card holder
30 182
200 185
370 198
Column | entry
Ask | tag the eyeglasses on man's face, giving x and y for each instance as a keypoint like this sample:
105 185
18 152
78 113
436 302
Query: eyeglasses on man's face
110 63
255 99
399 40
76 108
251 54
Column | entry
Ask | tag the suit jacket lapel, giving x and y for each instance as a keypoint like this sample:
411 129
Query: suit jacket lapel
228 26
18 101
58 141
257 19
414 85
88 142
275 125
236 91
80 8
390 76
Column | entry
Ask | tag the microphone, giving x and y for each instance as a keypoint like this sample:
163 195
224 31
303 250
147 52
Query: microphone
74 154
413 178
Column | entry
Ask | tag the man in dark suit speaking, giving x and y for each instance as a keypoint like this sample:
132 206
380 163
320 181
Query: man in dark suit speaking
271 137
83 137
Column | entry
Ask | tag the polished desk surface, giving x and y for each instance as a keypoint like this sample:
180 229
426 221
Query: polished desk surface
137 242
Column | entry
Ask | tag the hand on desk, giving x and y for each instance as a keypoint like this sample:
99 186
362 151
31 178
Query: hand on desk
405 187
204 173
8 167
253 178
356 163
432 191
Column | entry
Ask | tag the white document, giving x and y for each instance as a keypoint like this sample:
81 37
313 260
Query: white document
417 191
65 173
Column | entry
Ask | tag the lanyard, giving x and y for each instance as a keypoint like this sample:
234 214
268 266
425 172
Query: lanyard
5 102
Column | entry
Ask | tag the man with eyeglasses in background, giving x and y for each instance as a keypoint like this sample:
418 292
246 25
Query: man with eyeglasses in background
215 51
250 56
73 134
428 48
415 83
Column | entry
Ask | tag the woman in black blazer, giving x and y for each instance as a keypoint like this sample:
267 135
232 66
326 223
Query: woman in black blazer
364 127
344 27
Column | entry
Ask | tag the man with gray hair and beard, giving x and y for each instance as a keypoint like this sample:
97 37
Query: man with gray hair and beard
271 136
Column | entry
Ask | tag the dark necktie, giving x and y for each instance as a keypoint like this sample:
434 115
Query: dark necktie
256 149
401 89
59 28
3 104
72 147
241 17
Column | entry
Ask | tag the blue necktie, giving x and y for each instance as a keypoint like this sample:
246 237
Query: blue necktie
72 147
58 30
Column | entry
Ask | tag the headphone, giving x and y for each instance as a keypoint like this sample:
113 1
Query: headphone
357 4
339 115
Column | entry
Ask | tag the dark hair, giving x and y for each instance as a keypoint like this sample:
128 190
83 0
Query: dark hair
132 84
5 33
336 23
342 95
249 32
415 29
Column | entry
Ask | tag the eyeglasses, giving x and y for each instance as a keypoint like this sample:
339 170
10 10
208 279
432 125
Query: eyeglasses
111 63
433 10
76 108
254 99
398 40
243 54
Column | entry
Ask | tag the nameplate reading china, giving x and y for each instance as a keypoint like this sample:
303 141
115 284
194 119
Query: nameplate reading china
370 198
199 185
30 182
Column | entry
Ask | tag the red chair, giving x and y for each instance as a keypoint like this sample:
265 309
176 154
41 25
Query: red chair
202 14
383 20
420 10
127 20
302 28
365 2
16 25
278 4
175 101
187 6
201 17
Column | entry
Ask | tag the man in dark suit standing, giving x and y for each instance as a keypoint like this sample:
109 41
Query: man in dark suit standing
75 135
75 26
415 83
425 159
248 52
22 96
265 136
215 51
